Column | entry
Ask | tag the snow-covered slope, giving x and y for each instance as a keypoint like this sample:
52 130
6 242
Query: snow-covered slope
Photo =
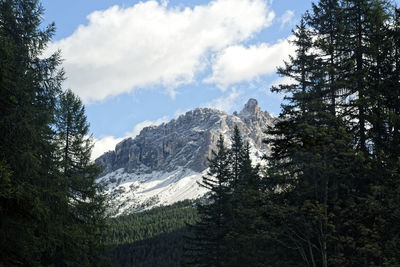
132 192
164 164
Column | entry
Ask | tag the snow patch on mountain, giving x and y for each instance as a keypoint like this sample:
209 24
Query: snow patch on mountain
133 192
165 163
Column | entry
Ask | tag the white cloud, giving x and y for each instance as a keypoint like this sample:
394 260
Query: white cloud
225 102
179 112
153 44
138 127
164 2
282 80
108 143
276 83
238 63
287 18
103 145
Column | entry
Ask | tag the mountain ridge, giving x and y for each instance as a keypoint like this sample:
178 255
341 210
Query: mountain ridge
163 163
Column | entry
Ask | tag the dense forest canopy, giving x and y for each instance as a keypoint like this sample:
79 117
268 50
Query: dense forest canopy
150 238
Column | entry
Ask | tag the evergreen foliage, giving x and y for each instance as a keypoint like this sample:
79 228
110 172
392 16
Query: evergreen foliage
227 232
28 91
328 197
330 192
246 248
328 176
150 238
51 210
207 243
86 207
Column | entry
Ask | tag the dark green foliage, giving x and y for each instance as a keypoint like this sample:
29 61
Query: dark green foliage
206 245
332 173
28 90
237 155
150 238
85 210
39 218
229 230
330 195
160 250
245 244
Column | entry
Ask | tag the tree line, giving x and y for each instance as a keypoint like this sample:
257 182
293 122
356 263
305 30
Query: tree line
150 238
329 195
52 211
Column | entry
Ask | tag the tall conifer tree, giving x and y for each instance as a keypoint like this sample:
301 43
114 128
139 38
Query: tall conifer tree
85 214
245 241
45 218
327 172
28 89
207 245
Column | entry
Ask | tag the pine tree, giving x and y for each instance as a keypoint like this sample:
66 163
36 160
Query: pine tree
383 201
229 232
326 23
85 214
46 219
236 152
244 241
207 245
311 150
365 46
28 89
328 177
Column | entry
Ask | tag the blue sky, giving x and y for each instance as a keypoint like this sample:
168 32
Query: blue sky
140 63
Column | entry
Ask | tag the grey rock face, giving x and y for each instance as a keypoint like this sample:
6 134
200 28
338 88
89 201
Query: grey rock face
186 141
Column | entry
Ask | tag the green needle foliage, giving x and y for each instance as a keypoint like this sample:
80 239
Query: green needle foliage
28 93
332 173
207 245
330 191
86 201
150 238
228 230
51 209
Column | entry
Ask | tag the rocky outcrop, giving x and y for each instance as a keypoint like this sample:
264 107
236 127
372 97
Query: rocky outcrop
187 141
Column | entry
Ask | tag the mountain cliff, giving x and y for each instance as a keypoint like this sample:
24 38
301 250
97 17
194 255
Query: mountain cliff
163 163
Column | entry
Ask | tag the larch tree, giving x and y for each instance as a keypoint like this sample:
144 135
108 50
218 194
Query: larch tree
86 213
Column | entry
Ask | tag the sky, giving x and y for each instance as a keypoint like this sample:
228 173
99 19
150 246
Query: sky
141 63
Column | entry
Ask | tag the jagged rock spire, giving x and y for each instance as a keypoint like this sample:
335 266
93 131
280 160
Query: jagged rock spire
250 108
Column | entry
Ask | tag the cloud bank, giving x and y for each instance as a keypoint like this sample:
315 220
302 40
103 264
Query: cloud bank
148 44
239 63
225 102
139 127
103 145
108 143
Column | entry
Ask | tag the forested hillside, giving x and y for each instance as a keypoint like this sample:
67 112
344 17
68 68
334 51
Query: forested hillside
151 238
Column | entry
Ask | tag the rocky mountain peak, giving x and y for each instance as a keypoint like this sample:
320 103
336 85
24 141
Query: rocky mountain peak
164 161
186 141
252 112
251 107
